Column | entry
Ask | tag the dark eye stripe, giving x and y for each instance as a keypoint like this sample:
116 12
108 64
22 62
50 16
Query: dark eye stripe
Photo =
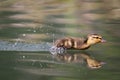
97 37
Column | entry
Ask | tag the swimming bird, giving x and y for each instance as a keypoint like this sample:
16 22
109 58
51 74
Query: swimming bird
79 43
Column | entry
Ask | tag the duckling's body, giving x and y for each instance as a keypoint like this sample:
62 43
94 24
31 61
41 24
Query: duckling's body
79 43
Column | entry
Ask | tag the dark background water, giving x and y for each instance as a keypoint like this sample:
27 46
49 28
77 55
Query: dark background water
28 29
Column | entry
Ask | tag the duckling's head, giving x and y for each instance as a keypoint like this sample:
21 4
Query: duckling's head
94 38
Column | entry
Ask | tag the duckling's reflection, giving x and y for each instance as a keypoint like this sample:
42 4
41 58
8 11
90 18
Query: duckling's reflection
80 58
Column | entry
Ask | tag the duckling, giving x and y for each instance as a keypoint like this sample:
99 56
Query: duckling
79 43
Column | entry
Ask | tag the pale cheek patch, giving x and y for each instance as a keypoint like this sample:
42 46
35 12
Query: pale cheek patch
70 43
66 43
75 44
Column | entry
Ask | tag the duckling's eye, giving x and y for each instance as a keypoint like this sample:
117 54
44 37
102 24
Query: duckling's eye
97 37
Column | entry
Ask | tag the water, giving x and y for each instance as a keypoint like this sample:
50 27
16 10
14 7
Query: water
28 61
28 32
29 65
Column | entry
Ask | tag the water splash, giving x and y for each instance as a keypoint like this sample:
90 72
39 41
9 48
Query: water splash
57 50
22 46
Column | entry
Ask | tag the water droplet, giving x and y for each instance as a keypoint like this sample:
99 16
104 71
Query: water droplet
24 34
33 62
14 44
34 31
23 57
40 65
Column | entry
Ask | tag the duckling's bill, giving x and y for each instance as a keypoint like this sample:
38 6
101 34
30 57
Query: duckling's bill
103 41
